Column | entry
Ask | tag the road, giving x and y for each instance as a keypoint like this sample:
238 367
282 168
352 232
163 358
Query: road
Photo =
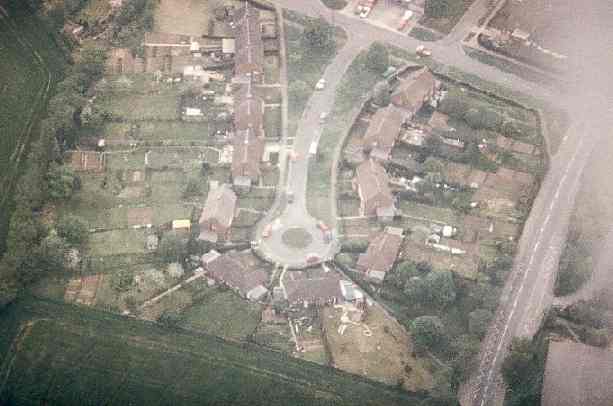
528 290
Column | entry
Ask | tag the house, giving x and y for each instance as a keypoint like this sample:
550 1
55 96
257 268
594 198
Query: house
372 184
237 270
381 254
246 157
414 91
315 286
249 56
577 374
382 132
217 215
249 112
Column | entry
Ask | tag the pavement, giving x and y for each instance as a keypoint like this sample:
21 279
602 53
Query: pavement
528 291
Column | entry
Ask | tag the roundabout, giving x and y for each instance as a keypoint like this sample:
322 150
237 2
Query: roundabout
296 237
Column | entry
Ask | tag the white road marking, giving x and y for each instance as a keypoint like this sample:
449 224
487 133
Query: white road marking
526 272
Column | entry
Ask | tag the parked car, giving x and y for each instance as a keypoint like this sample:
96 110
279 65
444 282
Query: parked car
267 231
322 117
423 51
365 12
321 84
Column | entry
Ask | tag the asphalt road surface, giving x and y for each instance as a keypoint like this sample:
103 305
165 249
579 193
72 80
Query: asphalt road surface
528 291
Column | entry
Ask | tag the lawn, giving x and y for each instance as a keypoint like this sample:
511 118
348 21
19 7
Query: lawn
116 242
304 69
223 314
68 355
445 24
140 107
355 85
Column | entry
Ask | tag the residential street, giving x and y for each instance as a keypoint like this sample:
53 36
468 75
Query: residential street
528 291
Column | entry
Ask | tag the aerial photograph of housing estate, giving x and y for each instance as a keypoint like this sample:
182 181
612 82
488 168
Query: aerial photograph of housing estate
306 202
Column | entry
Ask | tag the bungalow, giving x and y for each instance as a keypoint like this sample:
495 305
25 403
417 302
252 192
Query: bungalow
249 111
372 184
315 286
246 157
217 215
414 91
382 133
249 57
237 271
381 254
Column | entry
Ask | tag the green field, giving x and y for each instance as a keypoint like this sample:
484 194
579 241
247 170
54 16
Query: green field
30 62
57 354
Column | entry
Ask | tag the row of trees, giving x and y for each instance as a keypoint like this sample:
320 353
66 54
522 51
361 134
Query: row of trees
36 245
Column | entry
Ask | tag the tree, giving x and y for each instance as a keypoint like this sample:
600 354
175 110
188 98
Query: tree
73 229
192 189
172 248
402 274
428 332
298 91
415 289
381 93
377 58
90 65
442 8
61 182
464 351
478 322
318 37
440 287
461 202
523 370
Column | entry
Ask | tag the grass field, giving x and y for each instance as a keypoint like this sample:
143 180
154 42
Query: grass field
30 63
223 314
66 355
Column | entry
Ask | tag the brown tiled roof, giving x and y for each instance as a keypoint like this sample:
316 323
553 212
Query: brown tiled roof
381 253
249 112
414 90
373 182
236 270
247 154
384 129
220 206
313 286
578 375
249 57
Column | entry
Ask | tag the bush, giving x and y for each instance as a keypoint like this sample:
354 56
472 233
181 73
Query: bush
428 332
483 118
377 58
443 8
478 322
73 229
354 246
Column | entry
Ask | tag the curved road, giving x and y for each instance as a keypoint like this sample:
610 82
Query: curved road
528 291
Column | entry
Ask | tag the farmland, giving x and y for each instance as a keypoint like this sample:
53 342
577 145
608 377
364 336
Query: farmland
64 355
30 62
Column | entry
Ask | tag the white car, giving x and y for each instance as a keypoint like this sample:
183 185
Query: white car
321 84
365 12
322 117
